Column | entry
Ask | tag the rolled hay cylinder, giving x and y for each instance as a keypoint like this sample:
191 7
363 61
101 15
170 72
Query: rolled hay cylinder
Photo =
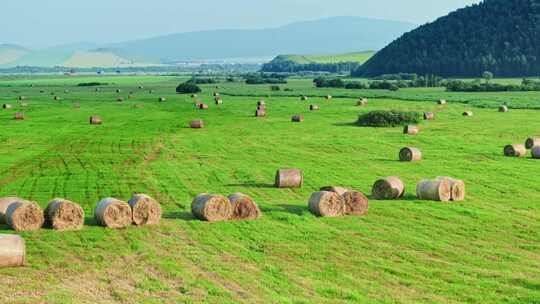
196 124
361 103
118 90
388 188
211 208
297 118
12 251
23 104
120 99
468 114
22 97
113 213
97 89
335 189
356 203
216 94
328 97
19 116
62 214
535 152
304 98
218 100
411 130
7 106
261 103
162 99
261 107
532 142
4 204
516 150
24 216
260 113
203 106
314 107
434 190
150 91
193 95
441 102
289 178
326 204
57 98
95 120
429 116
503 109
457 188
140 87
410 154
244 208
145 210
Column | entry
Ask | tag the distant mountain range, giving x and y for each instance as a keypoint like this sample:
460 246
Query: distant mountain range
335 35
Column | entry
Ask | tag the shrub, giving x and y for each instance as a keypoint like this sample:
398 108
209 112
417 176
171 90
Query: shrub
187 88
388 119
275 88
91 84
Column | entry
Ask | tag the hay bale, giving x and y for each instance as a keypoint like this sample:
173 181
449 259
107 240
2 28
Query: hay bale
409 154
118 90
304 98
218 100
23 104
516 150
7 106
57 98
216 94
328 97
411 130
196 124
388 188
314 107
434 190
22 97
203 106
193 95
24 216
361 103
262 107
95 120
535 152
150 91
503 109
19 116
532 142
297 118
12 251
289 178
260 113
441 102
356 203
62 214
145 210
162 99
457 188
429 116
261 103
244 208
97 90
326 204
120 99
212 208
4 204
468 114
113 213
338 190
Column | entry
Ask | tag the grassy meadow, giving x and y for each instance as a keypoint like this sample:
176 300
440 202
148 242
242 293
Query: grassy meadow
483 250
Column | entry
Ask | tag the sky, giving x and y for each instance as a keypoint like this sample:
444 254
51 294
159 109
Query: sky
44 23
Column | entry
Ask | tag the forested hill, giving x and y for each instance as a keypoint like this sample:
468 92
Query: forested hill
501 36
342 63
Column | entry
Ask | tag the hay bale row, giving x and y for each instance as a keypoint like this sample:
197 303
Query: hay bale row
141 209
338 201
289 178
215 208
441 188
457 188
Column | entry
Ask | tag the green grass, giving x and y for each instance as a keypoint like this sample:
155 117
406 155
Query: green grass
483 250
360 57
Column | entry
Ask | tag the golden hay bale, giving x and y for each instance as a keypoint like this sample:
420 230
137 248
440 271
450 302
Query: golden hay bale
95 120
326 204
4 204
140 87
338 190
516 150
244 208
97 89
441 102
468 113
193 95
503 109
261 103
162 99
457 188
304 98
113 213
289 178
535 152
211 208
411 130
203 106
19 116
314 107
409 154
145 210
429 116
260 113
62 214
216 94
434 190
22 97
261 107
218 100
297 118
12 251
328 97
532 142
362 102
7 106
57 98
24 216
356 203
118 90
196 124
388 188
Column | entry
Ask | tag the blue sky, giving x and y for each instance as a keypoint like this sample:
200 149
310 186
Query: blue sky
41 23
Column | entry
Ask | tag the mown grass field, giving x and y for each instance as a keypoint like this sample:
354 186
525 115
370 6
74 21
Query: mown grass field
483 250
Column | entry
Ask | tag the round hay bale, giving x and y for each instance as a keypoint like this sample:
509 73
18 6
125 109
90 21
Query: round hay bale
289 178
57 98
203 106
434 190
218 100
304 98
193 95
19 116
260 113
326 204
429 116
468 114
162 99
362 102
24 216
388 188
22 97
120 99
4 204
411 130
356 203
95 120
535 152
145 210
196 124
441 102
216 94
338 190
150 91
7 106
261 103
516 150
261 107
532 142
297 118
62 214
97 90
113 213
457 188
409 154
314 107
244 208
118 90
23 104
328 97
503 109
12 251
212 208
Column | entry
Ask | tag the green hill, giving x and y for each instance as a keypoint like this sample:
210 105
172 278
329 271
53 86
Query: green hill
317 63
501 36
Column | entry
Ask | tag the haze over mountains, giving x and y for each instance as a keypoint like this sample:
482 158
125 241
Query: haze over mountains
326 36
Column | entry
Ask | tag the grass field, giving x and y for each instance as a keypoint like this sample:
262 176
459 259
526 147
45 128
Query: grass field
360 57
483 250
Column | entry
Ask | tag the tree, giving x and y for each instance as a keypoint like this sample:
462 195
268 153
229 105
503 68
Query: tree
487 75
187 88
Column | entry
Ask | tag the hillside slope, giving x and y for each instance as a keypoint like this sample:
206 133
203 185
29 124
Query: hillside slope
501 36
317 63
